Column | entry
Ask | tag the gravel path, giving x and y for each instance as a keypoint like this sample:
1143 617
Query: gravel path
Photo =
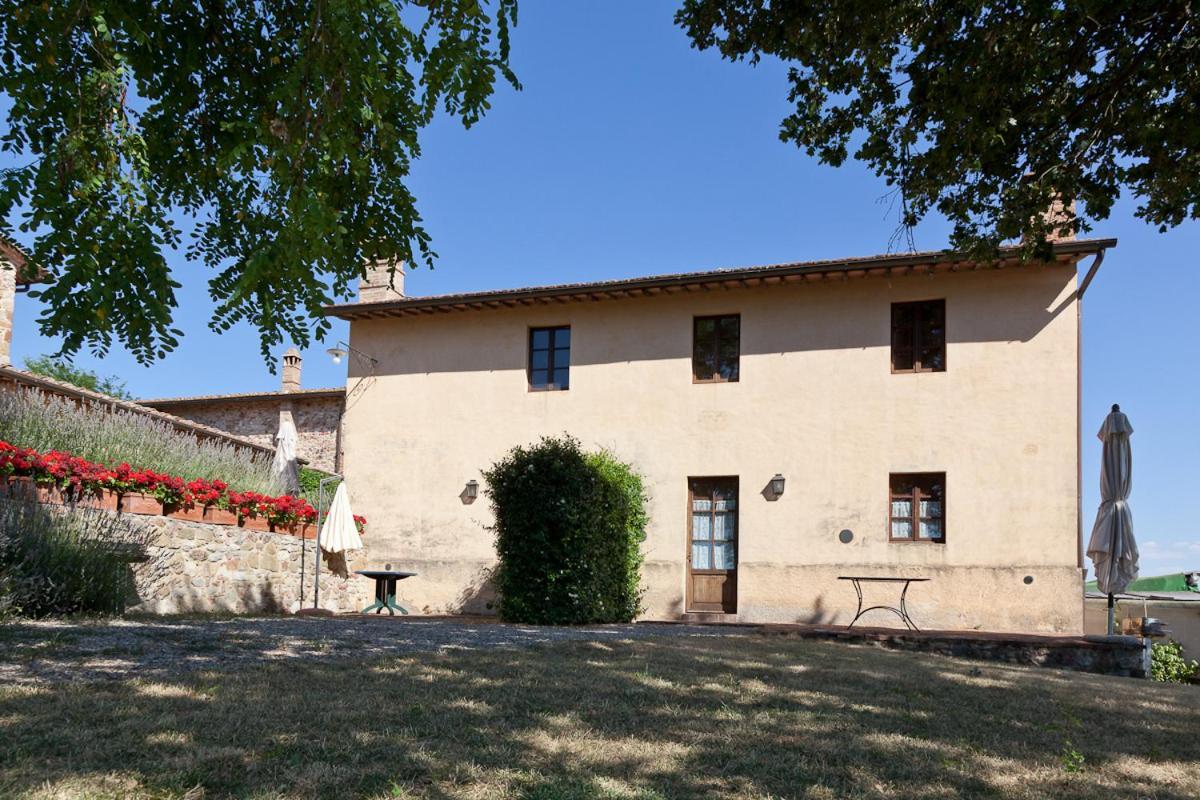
60 651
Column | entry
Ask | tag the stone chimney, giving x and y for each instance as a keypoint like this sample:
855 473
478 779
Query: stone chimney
291 370
8 298
378 286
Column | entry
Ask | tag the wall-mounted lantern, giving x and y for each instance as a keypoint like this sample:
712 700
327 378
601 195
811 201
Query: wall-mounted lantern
342 349
470 492
777 485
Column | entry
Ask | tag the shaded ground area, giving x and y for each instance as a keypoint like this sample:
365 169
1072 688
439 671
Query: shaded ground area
155 647
662 717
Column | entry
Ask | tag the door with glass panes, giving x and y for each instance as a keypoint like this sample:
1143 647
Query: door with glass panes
712 544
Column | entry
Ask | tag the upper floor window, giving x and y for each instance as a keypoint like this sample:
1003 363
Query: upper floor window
716 349
918 507
919 336
550 358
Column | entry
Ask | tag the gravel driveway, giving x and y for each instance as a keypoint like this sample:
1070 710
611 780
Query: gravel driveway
59 651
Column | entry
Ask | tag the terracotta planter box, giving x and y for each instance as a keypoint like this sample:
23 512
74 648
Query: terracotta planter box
19 488
255 524
103 499
50 494
220 516
305 530
138 503
192 513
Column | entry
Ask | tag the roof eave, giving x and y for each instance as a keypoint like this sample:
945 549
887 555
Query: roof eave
303 394
747 276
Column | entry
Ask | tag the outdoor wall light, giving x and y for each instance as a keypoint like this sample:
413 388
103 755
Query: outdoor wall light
472 489
777 485
342 349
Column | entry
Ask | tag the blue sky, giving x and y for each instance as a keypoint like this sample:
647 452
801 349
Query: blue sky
628 153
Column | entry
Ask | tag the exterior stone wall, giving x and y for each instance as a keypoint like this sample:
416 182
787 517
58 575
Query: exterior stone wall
196 567
8 298
317 420
1124 656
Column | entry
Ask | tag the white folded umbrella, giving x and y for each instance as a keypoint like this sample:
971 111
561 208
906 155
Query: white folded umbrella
339 533
285 467
1112 548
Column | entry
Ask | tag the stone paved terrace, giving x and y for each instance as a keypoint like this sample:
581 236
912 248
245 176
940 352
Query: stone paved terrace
155 648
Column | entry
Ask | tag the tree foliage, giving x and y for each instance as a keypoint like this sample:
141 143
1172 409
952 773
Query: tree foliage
986 110
282 131
62 370
569 529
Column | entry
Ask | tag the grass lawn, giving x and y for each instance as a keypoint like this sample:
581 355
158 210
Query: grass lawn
738 717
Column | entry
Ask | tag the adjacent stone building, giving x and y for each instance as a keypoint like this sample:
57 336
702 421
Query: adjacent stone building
15 275
316 413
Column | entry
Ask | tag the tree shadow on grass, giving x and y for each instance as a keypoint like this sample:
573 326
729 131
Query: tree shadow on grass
744 716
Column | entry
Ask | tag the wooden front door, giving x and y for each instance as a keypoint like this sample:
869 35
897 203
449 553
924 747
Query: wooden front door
712 545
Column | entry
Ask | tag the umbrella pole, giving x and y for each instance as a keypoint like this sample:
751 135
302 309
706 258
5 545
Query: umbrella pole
317 559
1110 614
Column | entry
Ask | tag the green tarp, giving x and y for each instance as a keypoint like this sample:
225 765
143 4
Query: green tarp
1159 583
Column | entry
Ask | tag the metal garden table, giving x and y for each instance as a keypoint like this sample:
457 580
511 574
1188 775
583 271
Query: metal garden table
385 590
900 611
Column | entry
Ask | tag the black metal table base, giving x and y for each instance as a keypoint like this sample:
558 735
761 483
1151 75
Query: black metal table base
901 611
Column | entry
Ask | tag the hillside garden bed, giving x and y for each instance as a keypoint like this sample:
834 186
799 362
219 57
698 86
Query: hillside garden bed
63 479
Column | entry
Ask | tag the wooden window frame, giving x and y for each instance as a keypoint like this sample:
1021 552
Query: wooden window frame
550 364
915 343
915 518
716 378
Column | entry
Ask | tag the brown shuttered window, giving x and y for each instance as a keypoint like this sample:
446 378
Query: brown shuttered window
716 349
919 336
918 507
550 358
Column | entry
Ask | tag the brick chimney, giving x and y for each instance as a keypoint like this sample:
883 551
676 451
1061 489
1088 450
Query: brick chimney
291 370
378 286
1058 214
8 298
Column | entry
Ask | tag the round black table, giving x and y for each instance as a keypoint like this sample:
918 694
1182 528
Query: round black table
385 590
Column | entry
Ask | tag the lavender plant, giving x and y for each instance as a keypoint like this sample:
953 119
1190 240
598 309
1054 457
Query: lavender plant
116 436
68 561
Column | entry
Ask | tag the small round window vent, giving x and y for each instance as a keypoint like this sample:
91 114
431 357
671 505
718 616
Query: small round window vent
1028 579
846 536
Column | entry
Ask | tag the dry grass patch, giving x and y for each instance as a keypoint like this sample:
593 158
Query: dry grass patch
665 718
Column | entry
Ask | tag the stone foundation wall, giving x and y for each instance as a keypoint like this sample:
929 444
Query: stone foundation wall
195 567
1123 656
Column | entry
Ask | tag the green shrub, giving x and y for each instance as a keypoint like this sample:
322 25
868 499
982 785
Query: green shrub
30 419
62 561
1168 665
310 484
569 528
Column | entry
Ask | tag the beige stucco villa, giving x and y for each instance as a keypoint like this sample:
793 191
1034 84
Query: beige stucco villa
921 410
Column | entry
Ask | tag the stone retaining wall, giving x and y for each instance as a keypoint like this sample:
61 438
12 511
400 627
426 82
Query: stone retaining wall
197 567
1125 656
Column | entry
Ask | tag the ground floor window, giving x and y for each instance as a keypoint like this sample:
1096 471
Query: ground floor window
918 507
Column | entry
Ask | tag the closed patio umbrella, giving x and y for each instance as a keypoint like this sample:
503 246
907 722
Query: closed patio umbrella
337 535
1112 548
284 467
